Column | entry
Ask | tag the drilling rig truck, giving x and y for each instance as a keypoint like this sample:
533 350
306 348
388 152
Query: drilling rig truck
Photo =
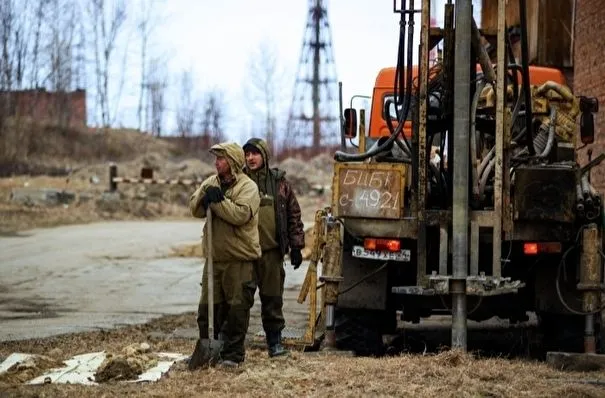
506 224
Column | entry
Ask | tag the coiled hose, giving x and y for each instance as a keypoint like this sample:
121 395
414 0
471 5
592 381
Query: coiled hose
543 143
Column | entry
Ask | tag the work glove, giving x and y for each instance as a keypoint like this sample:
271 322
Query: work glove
213 195
296 258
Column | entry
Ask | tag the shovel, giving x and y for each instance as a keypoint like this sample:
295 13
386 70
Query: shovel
207 351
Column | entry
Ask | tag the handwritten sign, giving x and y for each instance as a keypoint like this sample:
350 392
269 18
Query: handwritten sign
368 190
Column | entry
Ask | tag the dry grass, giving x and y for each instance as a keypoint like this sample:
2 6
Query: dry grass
448 374
27 143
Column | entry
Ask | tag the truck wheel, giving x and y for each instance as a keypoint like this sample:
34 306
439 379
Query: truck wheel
360 331
561 332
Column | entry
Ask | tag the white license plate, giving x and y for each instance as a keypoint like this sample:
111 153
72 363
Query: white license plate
401 255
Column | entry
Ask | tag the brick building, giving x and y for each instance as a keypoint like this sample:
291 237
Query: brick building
589 71
46 107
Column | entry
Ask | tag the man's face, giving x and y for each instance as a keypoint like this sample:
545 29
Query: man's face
254 160
222 166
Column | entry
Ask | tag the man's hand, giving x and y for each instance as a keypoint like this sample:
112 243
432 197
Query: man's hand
213 195
295 257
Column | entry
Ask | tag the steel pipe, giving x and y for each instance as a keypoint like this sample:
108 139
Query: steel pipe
460 216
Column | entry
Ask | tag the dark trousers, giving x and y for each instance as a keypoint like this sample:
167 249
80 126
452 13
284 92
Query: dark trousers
270 275
234 288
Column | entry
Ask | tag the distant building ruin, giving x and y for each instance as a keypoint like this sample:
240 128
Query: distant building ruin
66 109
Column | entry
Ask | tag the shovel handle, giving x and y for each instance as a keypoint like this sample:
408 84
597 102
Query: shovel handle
210 273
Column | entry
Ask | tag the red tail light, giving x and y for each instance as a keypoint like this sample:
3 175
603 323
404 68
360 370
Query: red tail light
530 249
392 245
533 248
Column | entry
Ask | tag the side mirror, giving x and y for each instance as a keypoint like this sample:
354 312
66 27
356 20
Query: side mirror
586 128
350 127
588 105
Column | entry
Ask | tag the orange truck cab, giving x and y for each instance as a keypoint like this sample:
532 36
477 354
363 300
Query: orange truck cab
384 89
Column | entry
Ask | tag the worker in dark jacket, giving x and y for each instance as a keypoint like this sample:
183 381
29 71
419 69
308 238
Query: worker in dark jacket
234 200
280 230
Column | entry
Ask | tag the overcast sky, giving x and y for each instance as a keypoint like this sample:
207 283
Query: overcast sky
215 39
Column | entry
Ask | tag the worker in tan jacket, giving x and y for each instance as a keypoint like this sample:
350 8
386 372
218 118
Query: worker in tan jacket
234 200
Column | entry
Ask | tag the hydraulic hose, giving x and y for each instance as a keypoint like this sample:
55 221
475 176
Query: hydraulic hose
545 139
551 133
485 162
406 150
341 156
525 77
560 267
407 89
485 177
473 139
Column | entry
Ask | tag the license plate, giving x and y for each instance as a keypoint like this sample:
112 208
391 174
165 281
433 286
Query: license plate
401 255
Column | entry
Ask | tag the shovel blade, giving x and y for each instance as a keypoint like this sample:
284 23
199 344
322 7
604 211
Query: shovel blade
206 353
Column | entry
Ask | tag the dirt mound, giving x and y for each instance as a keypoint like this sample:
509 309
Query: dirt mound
30 368
128 365
306 176
189 169
188 250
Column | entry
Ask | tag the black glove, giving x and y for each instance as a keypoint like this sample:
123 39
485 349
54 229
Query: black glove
213 195
296 258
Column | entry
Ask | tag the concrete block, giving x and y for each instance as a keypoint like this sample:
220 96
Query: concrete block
42 196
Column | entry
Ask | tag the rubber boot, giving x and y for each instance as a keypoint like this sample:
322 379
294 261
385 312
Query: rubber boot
274 345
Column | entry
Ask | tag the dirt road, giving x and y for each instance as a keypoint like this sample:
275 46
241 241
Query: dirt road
86 277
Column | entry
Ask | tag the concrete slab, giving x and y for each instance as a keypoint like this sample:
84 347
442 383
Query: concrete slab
42 196
575 362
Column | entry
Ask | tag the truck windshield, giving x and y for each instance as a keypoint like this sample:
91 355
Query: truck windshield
434 101
392 112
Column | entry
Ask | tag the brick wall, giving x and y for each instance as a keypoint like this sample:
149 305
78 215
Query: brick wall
589 72
54 108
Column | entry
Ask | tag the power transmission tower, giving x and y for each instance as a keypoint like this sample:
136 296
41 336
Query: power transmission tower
313 118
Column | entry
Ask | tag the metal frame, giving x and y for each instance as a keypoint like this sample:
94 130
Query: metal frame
500 132
421 277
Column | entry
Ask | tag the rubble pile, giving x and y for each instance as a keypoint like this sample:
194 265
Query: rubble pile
27 369
311 176
128 365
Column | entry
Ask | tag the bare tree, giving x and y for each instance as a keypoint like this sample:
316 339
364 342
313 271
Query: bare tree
145 27
156 88
61 46
35 56
107 22
21 42
261 89
7 19
212 122
186 108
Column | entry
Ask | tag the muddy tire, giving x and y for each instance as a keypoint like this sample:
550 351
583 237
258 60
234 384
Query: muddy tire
360 331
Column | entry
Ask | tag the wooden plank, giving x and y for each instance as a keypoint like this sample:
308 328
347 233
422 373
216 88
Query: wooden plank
368 190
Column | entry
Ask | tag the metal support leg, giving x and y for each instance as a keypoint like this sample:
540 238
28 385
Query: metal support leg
460 222
474 248
443 251
331 277
590 282
459 324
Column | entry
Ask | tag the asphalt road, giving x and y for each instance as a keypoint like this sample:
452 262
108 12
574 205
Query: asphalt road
85 277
